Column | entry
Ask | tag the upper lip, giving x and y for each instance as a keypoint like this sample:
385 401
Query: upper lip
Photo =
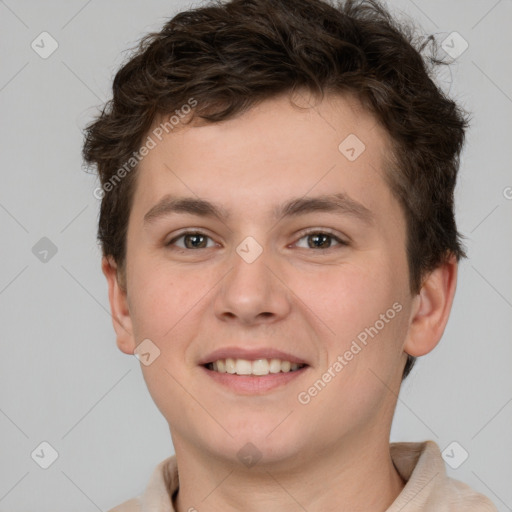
250 354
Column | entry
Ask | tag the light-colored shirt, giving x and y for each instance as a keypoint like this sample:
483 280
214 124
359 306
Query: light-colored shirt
427 488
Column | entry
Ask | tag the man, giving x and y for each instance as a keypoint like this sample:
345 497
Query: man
279 243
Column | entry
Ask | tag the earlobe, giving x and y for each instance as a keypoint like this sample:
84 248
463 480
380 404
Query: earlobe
119 309
432 308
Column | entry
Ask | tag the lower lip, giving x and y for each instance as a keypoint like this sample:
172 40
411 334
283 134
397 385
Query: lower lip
253 385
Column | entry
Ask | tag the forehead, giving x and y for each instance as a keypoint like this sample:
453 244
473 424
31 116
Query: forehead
271 152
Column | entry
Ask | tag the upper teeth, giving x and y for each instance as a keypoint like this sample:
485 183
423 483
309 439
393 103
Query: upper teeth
257 367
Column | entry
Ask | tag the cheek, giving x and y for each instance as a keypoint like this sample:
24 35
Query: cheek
165 296
363 309
353 295
163 310
367 313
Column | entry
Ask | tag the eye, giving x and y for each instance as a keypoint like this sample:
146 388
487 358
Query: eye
321 240
192 240
315 240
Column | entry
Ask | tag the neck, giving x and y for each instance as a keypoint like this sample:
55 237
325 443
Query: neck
357 476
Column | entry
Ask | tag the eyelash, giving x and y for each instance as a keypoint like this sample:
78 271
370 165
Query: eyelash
331 235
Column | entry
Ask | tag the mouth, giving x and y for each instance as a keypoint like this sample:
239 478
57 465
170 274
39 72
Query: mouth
258 375
253 368
254 371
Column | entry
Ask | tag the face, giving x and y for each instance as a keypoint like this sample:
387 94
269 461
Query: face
298 257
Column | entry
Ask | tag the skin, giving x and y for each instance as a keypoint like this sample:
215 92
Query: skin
308 301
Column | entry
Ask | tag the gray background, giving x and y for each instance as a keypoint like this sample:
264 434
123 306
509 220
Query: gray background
62 378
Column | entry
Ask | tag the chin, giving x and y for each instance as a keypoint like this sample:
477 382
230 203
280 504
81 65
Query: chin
271 441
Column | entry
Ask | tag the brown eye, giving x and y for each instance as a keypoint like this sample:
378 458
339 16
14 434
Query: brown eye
321 240
195 241
192 240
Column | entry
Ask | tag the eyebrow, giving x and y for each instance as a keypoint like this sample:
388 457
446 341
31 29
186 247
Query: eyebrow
339 203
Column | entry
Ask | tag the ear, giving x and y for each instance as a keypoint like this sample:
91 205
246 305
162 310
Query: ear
118 306
431 309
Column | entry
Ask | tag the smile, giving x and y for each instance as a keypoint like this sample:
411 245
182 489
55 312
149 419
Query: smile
258 367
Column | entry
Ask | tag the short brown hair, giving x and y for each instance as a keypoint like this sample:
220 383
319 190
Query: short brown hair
230 56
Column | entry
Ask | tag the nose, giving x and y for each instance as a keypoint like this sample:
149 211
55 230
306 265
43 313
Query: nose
253 292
